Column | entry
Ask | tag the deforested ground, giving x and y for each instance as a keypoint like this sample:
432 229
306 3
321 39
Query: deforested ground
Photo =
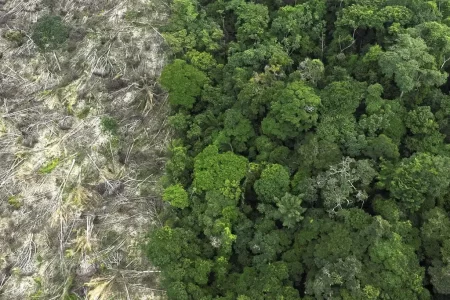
82 140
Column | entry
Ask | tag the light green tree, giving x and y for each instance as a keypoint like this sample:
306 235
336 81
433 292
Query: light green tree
294 110
183 82
419 178
410 64
176 196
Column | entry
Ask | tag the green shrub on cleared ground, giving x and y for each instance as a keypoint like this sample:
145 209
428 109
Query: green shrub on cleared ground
109 125
50 32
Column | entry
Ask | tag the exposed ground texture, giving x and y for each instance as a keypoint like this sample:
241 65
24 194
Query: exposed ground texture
82 140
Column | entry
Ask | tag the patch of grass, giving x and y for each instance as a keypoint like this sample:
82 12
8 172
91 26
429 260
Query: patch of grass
49 167
50 32
109 125
15 202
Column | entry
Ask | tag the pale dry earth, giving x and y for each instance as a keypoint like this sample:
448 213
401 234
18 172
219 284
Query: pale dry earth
77 200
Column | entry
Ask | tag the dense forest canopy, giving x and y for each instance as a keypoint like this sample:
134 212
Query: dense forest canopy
311 157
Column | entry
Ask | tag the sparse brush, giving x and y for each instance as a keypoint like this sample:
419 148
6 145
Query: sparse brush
100 288
83 240
14 36
132 15
83 113
61 215
80 197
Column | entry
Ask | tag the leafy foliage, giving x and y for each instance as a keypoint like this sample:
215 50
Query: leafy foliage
274 183
422 177
184 83
49 166
50 32
109 125
212 170
294 109
312 150
409 63
176 196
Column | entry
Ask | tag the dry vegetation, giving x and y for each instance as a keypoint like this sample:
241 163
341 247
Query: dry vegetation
82 140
